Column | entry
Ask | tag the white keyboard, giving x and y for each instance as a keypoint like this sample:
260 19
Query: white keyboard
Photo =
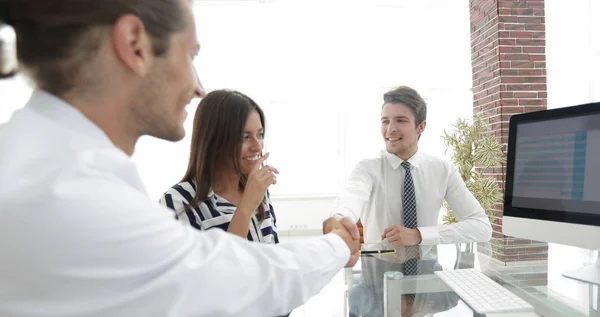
481 293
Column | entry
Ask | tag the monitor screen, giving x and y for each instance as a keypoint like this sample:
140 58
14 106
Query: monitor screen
553 166
557 165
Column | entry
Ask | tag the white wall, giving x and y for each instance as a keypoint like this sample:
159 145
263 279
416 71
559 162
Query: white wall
302 216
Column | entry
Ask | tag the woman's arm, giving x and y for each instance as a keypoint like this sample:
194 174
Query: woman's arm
240 221
179 196
259 181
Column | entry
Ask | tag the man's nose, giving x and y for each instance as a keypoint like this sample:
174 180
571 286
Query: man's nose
200 92
392 128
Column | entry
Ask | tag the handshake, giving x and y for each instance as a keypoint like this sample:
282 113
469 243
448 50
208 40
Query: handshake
348 231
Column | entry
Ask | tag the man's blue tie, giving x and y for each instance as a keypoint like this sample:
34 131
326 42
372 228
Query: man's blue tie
409 203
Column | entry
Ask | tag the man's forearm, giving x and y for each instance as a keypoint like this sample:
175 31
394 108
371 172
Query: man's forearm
468 230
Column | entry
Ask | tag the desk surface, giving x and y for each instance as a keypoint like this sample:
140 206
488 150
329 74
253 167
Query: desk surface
540 283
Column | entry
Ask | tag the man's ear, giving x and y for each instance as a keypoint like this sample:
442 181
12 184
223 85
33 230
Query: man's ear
421 127
132 44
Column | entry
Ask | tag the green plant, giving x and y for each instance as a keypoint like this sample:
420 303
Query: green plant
473 148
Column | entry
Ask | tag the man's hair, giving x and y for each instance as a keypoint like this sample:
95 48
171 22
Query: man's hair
56 39
410 98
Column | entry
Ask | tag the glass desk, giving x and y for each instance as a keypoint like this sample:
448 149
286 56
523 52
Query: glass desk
540 283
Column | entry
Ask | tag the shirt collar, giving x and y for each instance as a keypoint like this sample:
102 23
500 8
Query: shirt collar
83 138
395 161
211 193
68 117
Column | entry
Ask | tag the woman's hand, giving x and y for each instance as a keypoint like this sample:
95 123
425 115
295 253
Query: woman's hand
259 180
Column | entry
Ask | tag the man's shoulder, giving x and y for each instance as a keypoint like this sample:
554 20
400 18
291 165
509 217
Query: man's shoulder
372 160
73 192
428 158
439 165
41 159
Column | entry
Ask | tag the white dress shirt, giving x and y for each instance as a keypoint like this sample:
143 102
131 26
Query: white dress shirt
374 193
80 237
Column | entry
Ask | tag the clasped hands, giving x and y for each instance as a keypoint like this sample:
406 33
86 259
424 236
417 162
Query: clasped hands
348 231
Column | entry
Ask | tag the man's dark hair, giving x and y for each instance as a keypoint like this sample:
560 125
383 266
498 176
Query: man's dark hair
410 98
57 38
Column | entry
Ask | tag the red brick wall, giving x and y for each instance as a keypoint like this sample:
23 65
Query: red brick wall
508 54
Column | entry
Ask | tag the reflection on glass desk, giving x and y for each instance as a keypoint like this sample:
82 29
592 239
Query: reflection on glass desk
387 285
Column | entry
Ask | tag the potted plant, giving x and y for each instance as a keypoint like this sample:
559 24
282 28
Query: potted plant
474 148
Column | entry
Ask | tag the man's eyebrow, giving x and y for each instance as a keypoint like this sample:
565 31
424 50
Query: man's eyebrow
396 117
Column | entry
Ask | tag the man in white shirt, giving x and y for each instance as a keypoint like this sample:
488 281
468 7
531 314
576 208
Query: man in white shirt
78 234
398 194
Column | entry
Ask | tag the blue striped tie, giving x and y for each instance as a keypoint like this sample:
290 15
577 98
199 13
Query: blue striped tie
409 203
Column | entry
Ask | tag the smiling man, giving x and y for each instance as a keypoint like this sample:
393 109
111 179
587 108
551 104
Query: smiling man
78 234
398 194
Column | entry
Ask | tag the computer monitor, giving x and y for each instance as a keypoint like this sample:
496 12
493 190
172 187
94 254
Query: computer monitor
552 186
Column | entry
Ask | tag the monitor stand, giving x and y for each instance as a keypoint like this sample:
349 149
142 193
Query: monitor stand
589 274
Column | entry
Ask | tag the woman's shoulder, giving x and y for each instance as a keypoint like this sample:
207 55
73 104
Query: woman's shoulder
183 190
179 195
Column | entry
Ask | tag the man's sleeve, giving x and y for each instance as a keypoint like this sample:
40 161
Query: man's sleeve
473 224
121 251
355 195
241 278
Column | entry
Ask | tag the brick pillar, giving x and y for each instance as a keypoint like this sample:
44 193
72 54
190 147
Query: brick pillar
509 76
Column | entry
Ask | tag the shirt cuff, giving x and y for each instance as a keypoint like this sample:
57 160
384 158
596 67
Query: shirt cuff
429 235
344 212
340 249
337 216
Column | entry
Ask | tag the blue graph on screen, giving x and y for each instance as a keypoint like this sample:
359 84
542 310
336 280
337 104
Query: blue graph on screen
551 166
579 165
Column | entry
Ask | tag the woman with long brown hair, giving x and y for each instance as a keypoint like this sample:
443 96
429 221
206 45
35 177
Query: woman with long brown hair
225 185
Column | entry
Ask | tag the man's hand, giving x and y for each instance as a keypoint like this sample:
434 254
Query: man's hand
402 236
349 224
348 231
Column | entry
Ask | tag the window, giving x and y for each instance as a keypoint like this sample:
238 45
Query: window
573 52
319 70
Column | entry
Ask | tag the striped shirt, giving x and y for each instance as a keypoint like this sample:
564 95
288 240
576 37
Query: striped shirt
216 212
